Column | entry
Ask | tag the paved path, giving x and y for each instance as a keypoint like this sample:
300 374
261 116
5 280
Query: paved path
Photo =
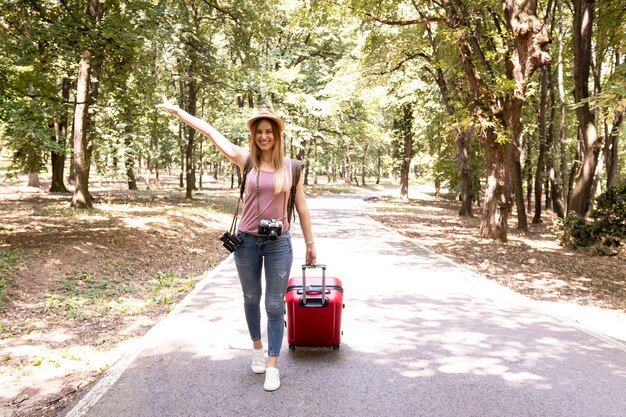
422 337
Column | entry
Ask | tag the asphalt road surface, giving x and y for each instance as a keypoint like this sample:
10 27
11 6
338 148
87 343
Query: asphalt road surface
422 337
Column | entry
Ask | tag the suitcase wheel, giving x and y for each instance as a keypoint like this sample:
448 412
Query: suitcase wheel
292 347
335 347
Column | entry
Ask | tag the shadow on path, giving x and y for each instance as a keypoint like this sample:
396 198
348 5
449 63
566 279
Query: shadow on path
422 337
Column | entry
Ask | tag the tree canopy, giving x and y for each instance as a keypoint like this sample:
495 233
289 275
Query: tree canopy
475 95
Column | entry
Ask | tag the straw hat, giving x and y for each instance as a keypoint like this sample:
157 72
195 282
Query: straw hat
266 113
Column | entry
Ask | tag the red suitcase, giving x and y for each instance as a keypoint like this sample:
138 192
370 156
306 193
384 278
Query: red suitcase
314 315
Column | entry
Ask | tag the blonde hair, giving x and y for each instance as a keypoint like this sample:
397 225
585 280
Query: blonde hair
282 182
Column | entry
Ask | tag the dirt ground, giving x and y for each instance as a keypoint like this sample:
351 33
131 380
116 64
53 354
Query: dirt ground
531 263
90 282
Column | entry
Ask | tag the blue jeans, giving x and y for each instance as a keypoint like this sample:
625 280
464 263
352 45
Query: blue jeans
276 257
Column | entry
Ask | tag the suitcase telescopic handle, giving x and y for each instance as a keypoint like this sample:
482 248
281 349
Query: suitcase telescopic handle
304 268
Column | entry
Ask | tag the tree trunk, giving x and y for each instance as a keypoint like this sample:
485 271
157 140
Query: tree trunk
81 197
511 114
542 144
403 126
572 173
582 194
529 187
33 179
181 176
346 170
553 176
583 23
72 175
612 157
603 156
546 184
364 166
522 220
153 159
181 140
529 37
202 164
462 138
527 174
90 121
115 160
563 198
191 134
95 12
462 150
494 224
130 155
57 157
406 165
378 166
307 162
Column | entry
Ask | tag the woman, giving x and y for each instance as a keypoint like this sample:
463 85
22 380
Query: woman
267 187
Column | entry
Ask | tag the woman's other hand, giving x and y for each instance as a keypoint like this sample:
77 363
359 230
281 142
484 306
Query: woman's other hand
311 255
168 107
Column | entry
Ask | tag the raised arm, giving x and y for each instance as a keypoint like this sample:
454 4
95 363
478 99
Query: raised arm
235 153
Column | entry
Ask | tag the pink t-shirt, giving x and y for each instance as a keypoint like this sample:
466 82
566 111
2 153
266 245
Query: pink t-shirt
266 205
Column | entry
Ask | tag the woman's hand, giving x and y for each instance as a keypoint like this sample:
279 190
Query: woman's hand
311 254
168 107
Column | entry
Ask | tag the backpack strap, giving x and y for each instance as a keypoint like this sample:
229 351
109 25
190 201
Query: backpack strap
246 168
296 170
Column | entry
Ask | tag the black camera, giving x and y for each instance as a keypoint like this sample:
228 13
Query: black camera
229 241
272 228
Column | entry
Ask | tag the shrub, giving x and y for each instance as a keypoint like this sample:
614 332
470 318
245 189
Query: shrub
605 232
610 212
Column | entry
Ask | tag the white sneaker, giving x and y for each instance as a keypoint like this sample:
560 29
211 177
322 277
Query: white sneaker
272 379
258 361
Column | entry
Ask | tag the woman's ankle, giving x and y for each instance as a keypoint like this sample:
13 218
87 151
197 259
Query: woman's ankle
272 361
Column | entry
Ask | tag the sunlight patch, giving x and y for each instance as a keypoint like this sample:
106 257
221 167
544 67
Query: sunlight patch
521 377
421 373
143 222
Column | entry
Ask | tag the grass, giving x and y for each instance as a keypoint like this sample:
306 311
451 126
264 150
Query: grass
84 295
9 260
168 285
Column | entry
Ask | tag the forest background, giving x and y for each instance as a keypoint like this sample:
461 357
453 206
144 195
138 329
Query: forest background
512 108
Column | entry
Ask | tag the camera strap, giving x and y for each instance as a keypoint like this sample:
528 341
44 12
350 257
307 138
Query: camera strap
233 224
257 191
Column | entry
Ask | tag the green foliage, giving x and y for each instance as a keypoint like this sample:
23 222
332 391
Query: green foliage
612 100
168 286
335 74
610 211
574 232
605 232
